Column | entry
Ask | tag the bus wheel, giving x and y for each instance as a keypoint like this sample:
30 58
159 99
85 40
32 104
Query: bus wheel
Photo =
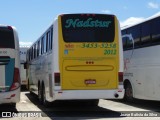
27 86
44 101
39 94
128 96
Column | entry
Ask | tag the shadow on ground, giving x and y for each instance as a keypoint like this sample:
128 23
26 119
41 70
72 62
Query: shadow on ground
72 109
6 110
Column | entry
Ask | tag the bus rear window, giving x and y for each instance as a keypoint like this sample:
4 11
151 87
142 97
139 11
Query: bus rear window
88 28
6 38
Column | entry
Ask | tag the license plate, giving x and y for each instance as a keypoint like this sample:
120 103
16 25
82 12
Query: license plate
90 81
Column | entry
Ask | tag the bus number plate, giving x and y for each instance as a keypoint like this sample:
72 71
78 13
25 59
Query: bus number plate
90 81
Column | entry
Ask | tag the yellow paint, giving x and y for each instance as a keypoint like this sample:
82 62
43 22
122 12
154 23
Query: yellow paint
80 64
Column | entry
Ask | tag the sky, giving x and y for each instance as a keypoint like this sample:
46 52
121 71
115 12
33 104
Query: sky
33 17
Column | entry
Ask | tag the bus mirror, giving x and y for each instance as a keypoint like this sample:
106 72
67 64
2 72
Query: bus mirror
130 39
25 65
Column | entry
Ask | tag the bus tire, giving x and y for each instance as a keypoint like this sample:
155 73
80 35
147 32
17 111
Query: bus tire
27 86
40 93
44 101
128 96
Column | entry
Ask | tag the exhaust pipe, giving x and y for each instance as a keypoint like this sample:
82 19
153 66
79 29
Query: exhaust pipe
116 95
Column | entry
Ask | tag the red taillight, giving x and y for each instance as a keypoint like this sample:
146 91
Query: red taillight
57 79
16 79
120 76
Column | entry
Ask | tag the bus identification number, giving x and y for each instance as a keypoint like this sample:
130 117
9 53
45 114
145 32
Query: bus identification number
96 45
3 52
110 52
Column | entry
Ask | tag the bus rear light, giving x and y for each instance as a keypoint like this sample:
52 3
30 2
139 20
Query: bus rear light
120 76
119 90
16 79
89 62
57 79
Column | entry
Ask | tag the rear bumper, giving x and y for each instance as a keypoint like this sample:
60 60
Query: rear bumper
88 94
10 97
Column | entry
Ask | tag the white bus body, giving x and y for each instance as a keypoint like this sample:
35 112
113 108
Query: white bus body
142 60
9 65
23 52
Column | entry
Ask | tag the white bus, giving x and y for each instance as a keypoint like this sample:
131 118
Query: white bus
9 65
23 52
142 60
79 57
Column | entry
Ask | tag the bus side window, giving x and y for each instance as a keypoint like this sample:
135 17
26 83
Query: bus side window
155 31
38 48
51 38
35 48
135 32
124 40
48 41
146 34
42 43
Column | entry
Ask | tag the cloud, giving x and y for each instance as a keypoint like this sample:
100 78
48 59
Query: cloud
27 44
131 21
106 11
153 5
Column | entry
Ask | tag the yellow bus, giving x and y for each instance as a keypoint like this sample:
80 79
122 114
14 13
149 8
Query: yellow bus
79 57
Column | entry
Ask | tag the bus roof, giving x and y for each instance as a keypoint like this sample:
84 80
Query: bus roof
147 19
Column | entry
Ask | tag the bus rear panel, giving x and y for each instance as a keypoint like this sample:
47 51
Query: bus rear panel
89 57
9 66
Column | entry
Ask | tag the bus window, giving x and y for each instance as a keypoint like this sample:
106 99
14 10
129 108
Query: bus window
155 30
146 33
6 38
124 40
135 31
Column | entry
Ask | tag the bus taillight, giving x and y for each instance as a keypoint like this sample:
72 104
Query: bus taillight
120 76
16 79
57 79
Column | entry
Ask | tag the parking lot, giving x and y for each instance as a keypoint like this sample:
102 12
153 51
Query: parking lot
29 108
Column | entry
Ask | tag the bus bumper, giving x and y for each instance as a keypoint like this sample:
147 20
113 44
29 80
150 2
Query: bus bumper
10 97
88 94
